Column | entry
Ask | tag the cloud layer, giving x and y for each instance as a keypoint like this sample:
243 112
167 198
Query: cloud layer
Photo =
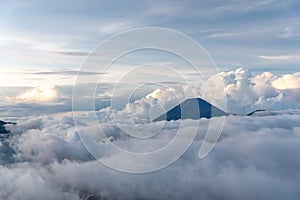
256 158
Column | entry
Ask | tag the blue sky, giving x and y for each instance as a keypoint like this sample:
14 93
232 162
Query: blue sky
45 42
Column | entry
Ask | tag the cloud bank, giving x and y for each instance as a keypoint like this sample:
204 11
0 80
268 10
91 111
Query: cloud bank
244 92
255 158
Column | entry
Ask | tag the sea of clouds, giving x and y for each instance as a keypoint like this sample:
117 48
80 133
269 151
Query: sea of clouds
256 156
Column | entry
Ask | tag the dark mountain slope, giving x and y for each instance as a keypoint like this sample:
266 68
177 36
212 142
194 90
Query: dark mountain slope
195 108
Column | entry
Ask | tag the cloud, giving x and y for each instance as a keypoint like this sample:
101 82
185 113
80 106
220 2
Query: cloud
71 53
39 94
246 92
222 35
49 99
290 31
153 104
62 72
255 158
245 7
287 81
281 57
243 91
115 27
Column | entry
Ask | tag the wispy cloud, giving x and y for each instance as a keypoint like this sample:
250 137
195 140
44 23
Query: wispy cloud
71 53
247 6
31 42
290 31
68 73
281 57
222 35
115 27
164 8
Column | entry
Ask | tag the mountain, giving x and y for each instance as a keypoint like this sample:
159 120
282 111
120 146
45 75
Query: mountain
195 108
6 151
254 112
2 128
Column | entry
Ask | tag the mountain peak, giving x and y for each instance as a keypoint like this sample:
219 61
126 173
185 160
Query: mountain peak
194 108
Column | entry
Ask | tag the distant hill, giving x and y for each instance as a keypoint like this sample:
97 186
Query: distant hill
254 112
195 108
2 128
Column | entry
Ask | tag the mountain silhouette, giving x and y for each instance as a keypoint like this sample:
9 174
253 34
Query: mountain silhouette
2 127
254 112
195 108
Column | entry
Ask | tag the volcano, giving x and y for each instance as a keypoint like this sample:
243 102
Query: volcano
195 108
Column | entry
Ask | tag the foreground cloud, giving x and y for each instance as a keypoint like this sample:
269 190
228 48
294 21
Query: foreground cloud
256 158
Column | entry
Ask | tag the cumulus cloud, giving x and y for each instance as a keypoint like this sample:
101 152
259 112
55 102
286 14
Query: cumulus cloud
47 99
39 94
246 92
242 91
255 158
287 81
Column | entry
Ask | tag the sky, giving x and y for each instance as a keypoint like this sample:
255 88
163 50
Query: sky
44 44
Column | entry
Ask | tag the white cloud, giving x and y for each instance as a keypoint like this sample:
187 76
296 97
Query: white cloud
222 35
153 105
246 92
256 158
243 91
39 94
287 81
281 57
